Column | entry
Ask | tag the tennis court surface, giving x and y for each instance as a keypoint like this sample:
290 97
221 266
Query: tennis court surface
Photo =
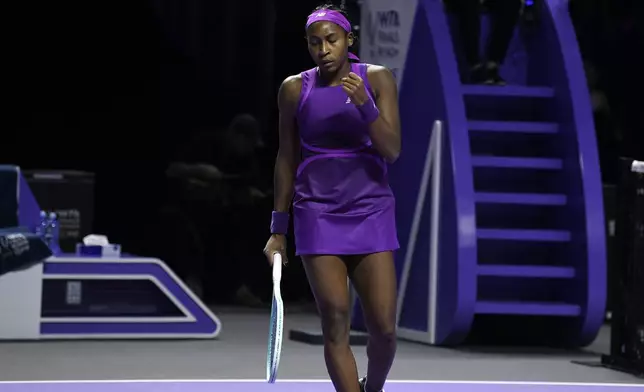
236 362
303 386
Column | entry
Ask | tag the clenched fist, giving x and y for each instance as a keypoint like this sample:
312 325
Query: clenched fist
353 85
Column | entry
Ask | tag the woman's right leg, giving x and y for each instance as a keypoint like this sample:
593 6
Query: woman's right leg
327 276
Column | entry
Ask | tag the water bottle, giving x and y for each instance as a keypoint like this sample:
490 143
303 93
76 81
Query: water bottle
41 229
54 233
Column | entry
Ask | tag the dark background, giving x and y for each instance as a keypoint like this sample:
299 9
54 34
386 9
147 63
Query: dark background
115 87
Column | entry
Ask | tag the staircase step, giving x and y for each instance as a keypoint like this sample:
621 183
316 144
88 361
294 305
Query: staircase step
527 308
542 199
514 126
509 91
517 163
526 271
523 235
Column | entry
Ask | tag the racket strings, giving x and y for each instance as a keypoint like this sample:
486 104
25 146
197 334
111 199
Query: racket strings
274 348
276 324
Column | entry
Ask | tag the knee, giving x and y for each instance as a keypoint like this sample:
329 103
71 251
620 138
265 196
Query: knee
383 330
335 324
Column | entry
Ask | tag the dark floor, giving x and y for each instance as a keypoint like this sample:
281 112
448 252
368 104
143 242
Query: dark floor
239 353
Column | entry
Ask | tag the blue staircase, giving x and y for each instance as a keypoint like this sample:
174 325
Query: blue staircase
520 202
522 247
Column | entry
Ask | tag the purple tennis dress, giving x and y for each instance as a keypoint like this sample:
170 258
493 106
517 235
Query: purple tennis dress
343 204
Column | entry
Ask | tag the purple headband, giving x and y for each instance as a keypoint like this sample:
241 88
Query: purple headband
333 17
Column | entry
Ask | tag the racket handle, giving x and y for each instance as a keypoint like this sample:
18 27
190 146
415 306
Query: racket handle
277 267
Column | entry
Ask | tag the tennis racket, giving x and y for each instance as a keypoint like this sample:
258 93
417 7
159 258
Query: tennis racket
276 323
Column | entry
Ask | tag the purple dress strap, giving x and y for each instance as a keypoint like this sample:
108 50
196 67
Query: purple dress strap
309 79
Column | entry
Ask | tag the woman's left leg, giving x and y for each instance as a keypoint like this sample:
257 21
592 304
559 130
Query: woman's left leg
374 278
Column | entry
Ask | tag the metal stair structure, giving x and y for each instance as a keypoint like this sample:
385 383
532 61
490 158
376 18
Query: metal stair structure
521 247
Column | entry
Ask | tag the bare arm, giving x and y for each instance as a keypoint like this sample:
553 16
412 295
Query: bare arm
385 131
289 146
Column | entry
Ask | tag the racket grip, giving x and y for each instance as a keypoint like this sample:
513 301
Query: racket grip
277 267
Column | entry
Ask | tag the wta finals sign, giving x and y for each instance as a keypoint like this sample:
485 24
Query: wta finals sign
386 29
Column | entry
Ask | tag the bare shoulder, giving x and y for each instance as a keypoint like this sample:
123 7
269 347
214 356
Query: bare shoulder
377 69
380 76
290 89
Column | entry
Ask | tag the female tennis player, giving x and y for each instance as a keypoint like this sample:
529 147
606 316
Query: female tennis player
338 130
